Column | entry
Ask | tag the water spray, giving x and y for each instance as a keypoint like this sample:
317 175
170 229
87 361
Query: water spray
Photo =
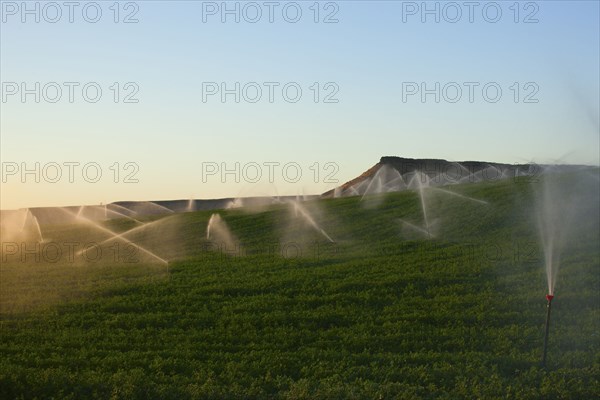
549 298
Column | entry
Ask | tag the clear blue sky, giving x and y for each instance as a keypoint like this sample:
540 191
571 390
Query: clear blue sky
368 54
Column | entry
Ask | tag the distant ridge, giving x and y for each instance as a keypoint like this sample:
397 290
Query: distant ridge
48 215
439 171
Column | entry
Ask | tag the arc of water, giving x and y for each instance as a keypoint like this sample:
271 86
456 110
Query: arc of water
486 174
28 217
468 176
209 225
123 208
126 216
221 233
459 195
549 263
390 178
354 191
161 207
359 187
375 178
417 228
116 236
547 238
311 221
390 184
25 217
235 203
132 230
191 205
422 196
275 199
39 229
411 181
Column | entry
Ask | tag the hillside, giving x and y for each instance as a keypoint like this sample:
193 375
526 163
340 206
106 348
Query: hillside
382 312
439 172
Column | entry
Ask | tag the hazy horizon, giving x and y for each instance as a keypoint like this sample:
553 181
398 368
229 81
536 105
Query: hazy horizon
249 189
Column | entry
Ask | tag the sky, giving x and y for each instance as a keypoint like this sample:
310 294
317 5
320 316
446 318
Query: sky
509 82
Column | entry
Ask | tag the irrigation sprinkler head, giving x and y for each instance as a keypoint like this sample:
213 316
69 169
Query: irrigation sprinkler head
549 297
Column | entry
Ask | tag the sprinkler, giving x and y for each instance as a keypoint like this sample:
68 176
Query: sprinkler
549 298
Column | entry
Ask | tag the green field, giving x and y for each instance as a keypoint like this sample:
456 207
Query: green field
383 313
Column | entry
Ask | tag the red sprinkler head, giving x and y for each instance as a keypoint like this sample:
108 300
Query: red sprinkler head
549 297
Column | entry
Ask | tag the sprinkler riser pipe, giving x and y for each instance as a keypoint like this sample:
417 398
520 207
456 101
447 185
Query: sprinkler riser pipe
549 298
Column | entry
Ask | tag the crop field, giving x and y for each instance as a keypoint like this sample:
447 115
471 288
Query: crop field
278 311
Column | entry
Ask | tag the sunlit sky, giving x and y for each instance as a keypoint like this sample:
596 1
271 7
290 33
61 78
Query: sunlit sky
371 55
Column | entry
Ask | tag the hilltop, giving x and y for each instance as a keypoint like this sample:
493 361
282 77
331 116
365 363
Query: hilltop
391 169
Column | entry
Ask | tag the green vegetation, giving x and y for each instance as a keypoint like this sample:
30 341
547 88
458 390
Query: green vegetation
382 314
